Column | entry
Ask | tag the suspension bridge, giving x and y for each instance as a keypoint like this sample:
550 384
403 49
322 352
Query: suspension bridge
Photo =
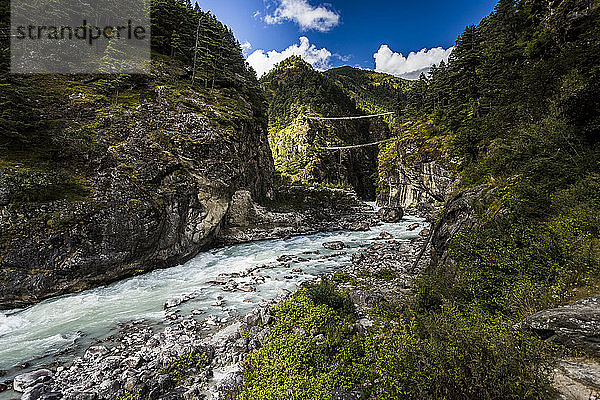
348 118
357 146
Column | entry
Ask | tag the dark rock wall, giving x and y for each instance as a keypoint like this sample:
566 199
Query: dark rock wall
158 195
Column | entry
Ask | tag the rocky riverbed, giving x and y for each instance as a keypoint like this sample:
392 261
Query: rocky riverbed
192 355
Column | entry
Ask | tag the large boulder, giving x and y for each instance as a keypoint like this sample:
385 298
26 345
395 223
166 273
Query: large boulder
576 325
29 379
391 215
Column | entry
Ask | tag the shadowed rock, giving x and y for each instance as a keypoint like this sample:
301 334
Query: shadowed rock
576 325
391 215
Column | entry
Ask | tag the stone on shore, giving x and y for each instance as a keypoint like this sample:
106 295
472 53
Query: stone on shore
24 381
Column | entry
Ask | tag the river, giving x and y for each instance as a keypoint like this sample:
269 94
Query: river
57 329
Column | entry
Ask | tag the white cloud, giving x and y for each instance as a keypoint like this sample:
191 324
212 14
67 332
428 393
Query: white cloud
413 65
246 46
264 62
305 15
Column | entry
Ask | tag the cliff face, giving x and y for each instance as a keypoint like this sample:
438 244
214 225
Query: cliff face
151 192
414 172
414 186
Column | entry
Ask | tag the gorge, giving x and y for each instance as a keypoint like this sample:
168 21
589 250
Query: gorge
190 234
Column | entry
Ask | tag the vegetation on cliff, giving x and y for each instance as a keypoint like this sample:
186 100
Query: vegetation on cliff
295 91
316 349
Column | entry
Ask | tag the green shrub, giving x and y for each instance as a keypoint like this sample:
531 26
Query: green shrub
184 365
518 264
451 354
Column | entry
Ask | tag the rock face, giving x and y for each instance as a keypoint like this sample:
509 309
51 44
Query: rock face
414 186
159 187
297 141
458 214
576 325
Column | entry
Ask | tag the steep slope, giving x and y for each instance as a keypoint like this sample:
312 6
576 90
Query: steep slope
104 177
373 92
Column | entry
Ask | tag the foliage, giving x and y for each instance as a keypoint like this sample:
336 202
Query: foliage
373 92
295 363
447 354
182 366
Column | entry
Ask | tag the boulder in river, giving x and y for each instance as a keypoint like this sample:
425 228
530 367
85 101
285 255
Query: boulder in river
24 381
391 215
334 245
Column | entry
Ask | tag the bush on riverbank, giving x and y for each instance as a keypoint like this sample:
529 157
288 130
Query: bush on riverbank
444 354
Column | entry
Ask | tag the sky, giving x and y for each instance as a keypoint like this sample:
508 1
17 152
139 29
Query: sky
402 38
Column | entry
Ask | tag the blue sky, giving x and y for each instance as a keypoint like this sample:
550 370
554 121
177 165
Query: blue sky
332 33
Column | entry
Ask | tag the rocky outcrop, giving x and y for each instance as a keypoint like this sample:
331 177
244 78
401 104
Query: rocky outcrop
294 211
576 325
415 186
458 214
158 188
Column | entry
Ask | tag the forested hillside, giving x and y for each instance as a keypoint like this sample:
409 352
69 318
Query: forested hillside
295 91
373 92
519 106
